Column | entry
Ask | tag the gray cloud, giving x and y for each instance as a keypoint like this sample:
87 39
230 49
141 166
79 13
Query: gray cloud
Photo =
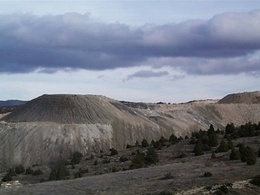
147 74
74 41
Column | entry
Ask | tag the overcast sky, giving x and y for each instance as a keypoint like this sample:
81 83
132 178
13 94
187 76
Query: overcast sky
150 51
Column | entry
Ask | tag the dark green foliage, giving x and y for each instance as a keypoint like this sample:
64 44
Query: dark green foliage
19 169
166 192
114 169
12 172
141 159
173 139
182 155
247 154
259 152
7 177
29 171
77 175
193 140
123 159
151 156
138 160
37 172
250 156
256 180
106 161
198 150
230 144
113 152
211 130
207 174
235 154
213 155
128 146
60 172
76 157
223 147
162 141
145 143
224 189
230 128
213 139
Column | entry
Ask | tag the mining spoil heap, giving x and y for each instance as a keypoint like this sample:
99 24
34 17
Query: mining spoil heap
54 126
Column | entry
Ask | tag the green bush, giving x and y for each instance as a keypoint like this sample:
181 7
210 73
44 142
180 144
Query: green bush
60 172
29 171
256 180
19 169
7 177
207 174
151 156
198 149
145 143
235 154
173 139
166 192
123 159
37 172
250 156
113 152
223 147
137 160
76 157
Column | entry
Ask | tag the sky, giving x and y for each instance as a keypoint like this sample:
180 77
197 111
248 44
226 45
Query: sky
144 51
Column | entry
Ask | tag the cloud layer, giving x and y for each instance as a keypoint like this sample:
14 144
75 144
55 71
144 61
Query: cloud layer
225 44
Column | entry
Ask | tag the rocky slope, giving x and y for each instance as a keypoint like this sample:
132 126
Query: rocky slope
53 126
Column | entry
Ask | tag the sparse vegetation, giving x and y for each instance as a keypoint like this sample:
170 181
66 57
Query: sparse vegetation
256 180
207 174
113 152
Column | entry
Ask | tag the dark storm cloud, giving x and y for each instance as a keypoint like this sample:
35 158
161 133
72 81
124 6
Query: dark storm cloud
74 41
147 74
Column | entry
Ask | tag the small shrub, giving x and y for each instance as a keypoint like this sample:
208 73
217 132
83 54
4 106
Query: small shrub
96 162
256 180
137 161
76 157
166 192
151 156
123 159
234 155
106 161
114 169
223 147
198 149
207 174
19 169
182 155
168 176
145 143
213 155
29 171
113 152
7 177
128 146
173 139
37 172
224 189
259 152
77 175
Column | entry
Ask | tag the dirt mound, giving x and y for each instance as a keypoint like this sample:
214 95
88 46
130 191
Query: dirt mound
239 98
65 109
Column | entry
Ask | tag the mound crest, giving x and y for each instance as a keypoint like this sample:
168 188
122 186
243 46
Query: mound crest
240 98
66 109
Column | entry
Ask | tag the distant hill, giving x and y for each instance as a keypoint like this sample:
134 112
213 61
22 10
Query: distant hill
12 103
48 126
240 98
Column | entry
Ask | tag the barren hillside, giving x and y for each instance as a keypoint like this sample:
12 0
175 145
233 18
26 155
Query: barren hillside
53 126
240 98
